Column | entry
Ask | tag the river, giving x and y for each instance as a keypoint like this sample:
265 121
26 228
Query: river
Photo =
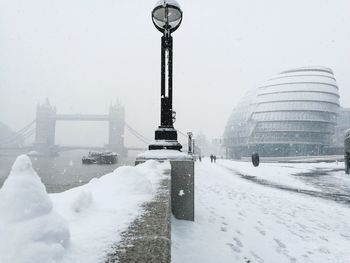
60 173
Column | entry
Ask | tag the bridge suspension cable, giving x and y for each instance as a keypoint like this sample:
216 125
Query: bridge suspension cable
183 134
143 138
137 134
25 135
28 131
22 132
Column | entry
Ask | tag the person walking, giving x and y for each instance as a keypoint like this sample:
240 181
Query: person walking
214 157
211 158
255 159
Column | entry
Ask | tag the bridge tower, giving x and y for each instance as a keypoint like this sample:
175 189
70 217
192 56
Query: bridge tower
116 129
45 125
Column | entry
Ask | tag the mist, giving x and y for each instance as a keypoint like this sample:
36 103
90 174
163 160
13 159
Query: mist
85 55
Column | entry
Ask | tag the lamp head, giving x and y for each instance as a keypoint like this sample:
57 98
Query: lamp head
167 16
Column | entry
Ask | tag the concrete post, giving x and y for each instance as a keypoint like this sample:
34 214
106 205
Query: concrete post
190 150
182 180
182 189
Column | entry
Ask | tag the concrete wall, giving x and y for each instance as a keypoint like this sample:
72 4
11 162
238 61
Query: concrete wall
148 237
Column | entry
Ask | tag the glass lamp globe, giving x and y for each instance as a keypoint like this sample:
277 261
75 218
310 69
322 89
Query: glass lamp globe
167 15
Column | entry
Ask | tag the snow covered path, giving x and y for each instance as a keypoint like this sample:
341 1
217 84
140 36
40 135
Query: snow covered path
324 180
241 221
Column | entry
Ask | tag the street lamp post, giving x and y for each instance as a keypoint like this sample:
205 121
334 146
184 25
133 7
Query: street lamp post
166 17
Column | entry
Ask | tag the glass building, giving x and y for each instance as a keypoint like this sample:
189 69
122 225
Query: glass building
343 124
293 113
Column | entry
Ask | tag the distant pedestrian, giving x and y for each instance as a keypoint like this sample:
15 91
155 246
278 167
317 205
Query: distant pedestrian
255 159
200 158
211 158
214 157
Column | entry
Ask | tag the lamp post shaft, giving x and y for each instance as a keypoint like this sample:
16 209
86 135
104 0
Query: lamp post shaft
166 118
166 131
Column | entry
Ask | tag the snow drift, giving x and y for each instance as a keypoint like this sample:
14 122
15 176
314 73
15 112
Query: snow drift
34 225
30 230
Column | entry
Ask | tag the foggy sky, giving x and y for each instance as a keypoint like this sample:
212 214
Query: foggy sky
83 55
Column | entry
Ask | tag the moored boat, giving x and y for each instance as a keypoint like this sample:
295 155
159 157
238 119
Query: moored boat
100 158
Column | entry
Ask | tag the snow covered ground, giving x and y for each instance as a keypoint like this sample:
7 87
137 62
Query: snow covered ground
272 172
78 225
243 214
241 220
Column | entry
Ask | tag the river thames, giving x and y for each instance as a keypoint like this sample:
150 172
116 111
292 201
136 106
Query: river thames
60 173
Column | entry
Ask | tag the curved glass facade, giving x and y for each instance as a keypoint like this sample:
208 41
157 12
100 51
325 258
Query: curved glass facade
293 113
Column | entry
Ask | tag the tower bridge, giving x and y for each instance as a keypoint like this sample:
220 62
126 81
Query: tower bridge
46 119
45 130
81 117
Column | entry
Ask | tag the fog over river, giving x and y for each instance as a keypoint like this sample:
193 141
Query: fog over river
60 173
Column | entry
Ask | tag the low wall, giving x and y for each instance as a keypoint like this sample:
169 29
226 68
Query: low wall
148 238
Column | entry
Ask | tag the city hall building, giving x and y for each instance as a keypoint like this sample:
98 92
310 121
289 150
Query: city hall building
293 113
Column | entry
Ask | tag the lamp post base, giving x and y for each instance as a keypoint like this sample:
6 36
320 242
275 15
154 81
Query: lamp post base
165 138
165 145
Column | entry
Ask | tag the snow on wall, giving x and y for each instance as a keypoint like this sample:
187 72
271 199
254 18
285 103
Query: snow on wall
34 225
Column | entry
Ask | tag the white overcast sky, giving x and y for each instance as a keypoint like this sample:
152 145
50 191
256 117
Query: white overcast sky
83 54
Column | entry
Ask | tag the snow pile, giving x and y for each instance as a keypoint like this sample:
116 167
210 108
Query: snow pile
82 202
30 231
238 220
100 210
33 224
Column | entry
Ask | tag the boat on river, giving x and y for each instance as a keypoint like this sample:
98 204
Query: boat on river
100 158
